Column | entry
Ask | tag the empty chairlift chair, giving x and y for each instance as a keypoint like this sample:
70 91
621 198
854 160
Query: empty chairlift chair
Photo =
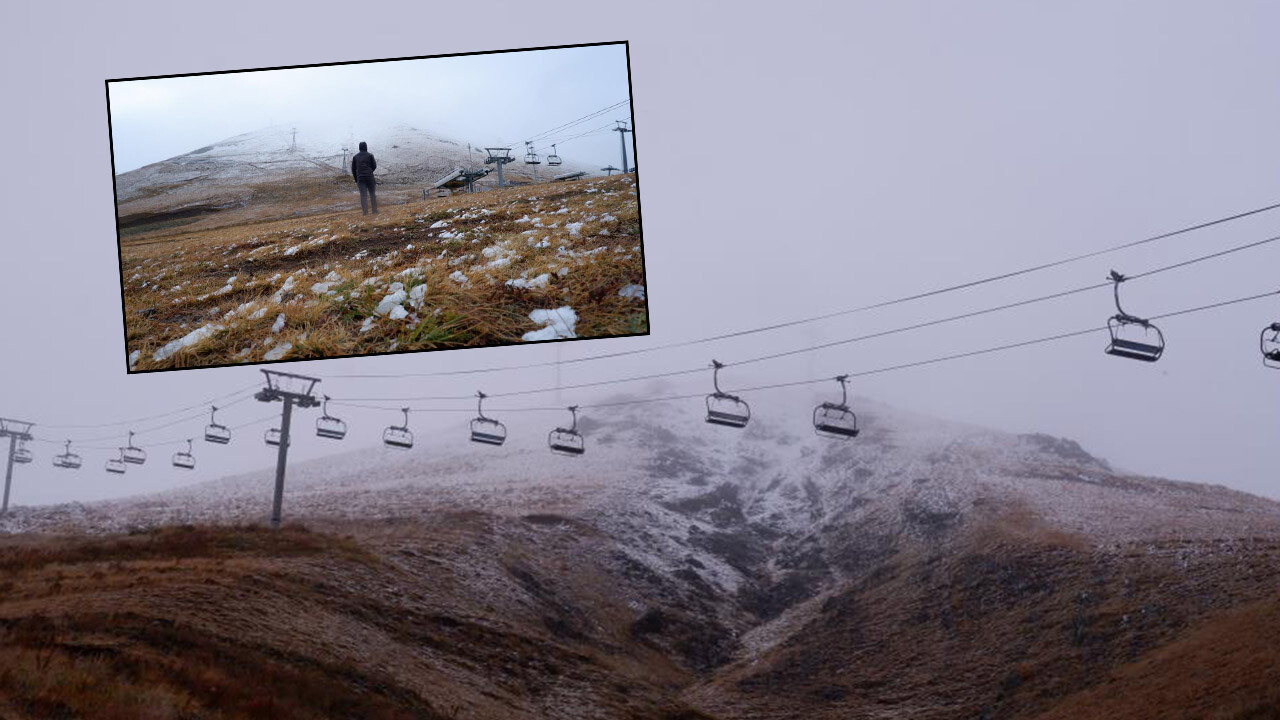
272 437
133 454
328 426
567 441
185 460
116 465
486 430
214 432
1132 337
67 459
22 454
530 157
723 408
1271 345
553 159
399 436
836 421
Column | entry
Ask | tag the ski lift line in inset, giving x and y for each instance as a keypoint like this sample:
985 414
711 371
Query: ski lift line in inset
866 308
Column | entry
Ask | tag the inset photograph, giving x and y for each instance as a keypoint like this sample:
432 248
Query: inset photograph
371 207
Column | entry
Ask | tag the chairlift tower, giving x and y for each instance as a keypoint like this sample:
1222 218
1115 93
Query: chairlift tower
500 156
622 131
17 431
291 390
293 146
344 157
608 170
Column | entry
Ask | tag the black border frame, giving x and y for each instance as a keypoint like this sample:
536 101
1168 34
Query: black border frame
635 161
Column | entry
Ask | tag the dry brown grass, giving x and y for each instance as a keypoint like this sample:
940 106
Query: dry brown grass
176 281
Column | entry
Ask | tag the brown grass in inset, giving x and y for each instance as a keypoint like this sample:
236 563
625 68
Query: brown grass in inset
231 280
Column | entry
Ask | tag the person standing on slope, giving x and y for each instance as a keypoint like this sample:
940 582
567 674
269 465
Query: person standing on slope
362 167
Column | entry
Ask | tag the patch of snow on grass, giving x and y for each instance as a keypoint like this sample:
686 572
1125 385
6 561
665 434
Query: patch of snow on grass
538 282
559 324
278 351
187 340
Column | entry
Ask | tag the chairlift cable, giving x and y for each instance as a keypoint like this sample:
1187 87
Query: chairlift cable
834 343
826 316
864 373
132 421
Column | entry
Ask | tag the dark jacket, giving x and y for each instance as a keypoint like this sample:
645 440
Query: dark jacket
363 164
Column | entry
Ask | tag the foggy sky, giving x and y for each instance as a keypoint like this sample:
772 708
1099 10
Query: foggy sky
798 160
496 99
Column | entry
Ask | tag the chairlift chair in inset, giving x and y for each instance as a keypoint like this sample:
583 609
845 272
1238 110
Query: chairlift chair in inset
67 459
1271 345
22 454
1132 337
486 430
567 441
214 432
723 408
530 157
133 454
399 436
328 426
836 420
116 465
185 460
272 437
553 158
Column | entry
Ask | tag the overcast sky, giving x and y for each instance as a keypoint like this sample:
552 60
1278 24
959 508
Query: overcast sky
799 160
495 99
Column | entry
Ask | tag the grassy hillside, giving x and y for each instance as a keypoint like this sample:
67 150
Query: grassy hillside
467 271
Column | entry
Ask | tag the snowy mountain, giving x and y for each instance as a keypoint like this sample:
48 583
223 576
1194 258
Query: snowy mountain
924 569
287 168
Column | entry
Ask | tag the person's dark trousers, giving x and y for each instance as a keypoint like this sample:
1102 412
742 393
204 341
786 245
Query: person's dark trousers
367 188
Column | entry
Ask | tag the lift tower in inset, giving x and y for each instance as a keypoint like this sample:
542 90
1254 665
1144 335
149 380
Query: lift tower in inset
608 170
17 431
292 390
501 156
622 131
293 146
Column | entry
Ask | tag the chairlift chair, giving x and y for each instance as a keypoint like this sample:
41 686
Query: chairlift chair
22 454
553 158
272 437
1132 337
567 441
214 432
133 454
116 465
185 460
67 459
328 426
486 430
1271 345
399 436
723 408
836 420
530 157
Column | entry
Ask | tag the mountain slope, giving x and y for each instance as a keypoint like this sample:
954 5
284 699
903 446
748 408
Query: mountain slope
923 570
270 173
